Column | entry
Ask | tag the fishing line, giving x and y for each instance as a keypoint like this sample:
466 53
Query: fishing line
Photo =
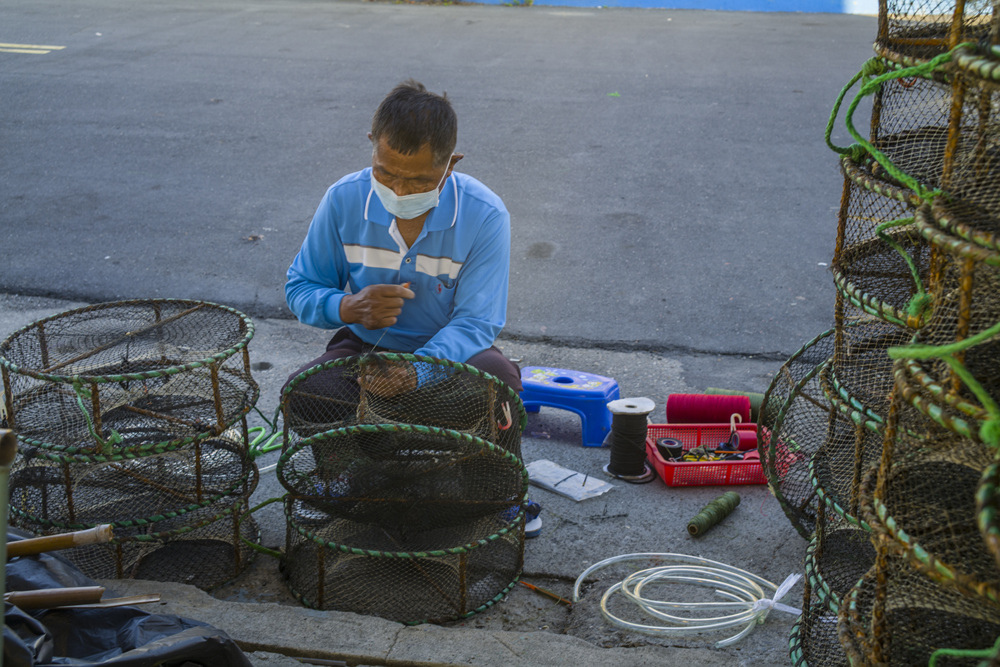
627 440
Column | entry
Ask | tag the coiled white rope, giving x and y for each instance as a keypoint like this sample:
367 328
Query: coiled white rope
749 595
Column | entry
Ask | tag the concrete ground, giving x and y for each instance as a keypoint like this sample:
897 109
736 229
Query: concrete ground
525 628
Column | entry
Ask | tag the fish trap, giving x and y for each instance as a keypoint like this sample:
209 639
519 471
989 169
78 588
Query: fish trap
924 503
861 372
205 547
449 395
852 445
838 556
128 378
792 427
966 310
896 616
972 172
57 491
813 639
404 522
914 31
880 262
403 477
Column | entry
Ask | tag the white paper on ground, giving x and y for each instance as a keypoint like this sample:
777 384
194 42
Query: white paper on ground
575 485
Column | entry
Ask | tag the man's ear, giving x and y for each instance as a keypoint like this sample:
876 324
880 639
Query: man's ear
455 157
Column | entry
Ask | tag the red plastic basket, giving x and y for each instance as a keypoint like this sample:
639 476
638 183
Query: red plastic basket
700 473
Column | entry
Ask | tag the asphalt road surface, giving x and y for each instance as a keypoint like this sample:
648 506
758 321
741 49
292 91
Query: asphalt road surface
666 172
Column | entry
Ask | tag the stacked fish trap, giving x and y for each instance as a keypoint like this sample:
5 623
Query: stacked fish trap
880 437
405 485
134 414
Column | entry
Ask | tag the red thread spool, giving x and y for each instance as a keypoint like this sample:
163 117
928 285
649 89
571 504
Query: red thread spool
706 409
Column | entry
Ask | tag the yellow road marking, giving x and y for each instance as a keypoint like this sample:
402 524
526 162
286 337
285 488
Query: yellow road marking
37 49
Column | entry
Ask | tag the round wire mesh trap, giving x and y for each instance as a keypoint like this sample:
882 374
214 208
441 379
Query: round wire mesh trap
128 377
988 508
966 305
206 547
880 262
972 174
861 373
63 492
909 125
838 556
925 503
895 616
404 478
405 576
853 445
792 427
449 395
813 640
914 31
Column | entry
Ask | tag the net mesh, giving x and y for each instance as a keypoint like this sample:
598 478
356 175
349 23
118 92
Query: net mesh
358 390
966 303
130 377
902 454
912 31
813 640
792 427
896 616
910 120
925 502
133 414
410 523
879 266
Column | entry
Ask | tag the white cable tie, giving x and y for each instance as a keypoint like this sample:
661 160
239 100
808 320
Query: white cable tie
762 607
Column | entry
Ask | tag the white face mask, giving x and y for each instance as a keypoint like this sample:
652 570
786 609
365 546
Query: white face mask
407 207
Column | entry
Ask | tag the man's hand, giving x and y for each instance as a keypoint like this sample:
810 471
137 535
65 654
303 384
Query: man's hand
388 381
375 306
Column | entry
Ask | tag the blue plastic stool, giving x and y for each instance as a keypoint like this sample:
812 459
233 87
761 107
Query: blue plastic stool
583 393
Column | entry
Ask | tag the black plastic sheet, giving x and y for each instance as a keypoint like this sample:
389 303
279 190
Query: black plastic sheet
119 636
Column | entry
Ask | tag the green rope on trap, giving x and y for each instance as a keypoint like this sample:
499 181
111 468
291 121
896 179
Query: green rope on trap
273 553
713 513
872 67
103 446
922 70
921 300
989 431
985 653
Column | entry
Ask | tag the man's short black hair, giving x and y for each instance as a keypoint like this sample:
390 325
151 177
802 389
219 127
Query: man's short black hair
410 117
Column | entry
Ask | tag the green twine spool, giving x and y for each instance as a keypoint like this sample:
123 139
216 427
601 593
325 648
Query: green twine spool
713 513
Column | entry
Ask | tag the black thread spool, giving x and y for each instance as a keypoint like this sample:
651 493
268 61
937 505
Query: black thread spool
627 440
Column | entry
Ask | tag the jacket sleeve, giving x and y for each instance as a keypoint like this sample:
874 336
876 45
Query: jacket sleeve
318 276
480 307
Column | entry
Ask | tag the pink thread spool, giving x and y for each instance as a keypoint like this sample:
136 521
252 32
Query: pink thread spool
707 409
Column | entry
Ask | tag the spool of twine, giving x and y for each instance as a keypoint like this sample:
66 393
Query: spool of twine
706 408
627 439
713 513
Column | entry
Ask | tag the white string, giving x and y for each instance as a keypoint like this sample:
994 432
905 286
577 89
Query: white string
746 595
